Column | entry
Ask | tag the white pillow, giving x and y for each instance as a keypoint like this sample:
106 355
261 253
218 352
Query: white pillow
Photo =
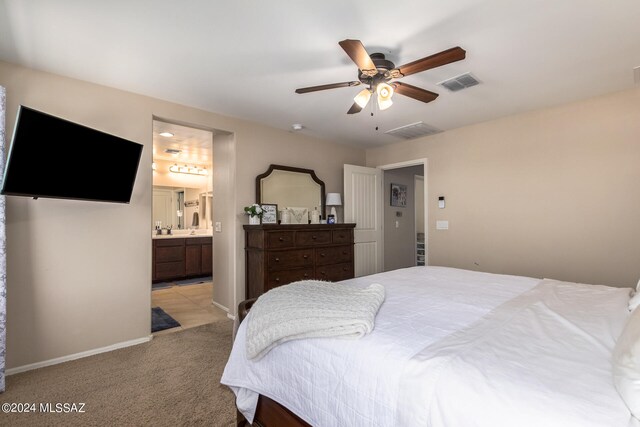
626 364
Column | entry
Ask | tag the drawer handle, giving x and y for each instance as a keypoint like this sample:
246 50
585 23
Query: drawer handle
344 269
322 255
305 256
277 280
277 259
314 237
281 239
345 253
324 273
305 275
341 236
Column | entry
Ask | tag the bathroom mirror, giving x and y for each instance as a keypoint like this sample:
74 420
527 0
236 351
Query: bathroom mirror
288 186
176 206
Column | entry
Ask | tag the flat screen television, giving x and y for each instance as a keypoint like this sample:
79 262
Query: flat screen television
55 158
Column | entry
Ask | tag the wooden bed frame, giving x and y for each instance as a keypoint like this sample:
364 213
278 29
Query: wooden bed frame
269 413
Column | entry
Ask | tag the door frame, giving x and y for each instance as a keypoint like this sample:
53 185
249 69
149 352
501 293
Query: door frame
416 162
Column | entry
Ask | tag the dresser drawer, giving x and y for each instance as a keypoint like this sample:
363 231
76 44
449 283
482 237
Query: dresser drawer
342 236
279 278
280 239
169 253
281 260
310 238
334 255
335 272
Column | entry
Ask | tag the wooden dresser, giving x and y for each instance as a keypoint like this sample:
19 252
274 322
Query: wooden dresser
281 254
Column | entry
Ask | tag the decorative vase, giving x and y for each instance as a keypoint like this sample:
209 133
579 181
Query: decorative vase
254 220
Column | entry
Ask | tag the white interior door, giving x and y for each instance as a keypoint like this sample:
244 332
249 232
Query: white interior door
363 205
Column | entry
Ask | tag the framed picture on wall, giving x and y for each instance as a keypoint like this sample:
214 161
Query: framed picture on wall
399 195
269 214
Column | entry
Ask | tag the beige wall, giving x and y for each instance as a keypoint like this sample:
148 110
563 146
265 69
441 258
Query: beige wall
400 242
552 193
74 265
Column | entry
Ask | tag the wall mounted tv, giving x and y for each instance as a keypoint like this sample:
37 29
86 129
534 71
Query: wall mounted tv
54 158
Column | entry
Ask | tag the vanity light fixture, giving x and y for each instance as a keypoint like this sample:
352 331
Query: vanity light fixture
166 134
193 170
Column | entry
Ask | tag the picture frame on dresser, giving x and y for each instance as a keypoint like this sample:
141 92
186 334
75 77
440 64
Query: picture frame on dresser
269 213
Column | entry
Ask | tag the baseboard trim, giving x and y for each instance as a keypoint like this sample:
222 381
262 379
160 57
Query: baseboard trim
220 306
75 356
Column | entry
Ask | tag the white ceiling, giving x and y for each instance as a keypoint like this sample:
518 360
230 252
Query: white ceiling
195 145
245 58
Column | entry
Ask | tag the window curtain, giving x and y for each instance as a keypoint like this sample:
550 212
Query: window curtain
3 246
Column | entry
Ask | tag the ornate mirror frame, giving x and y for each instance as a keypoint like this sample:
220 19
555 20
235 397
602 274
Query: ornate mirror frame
311 172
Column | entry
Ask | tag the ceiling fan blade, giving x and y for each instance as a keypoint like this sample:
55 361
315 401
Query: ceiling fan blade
414 92
355 108
325 87
359 55
437 60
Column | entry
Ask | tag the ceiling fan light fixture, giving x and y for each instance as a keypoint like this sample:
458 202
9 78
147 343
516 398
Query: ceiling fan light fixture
362 98
385 91
383 104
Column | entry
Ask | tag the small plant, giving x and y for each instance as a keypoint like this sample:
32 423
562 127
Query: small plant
253 210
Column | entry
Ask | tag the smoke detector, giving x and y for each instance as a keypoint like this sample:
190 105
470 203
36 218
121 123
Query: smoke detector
297 126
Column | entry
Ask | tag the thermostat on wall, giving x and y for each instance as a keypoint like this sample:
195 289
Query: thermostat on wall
441 202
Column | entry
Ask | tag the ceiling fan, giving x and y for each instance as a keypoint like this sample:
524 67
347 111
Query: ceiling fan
377 73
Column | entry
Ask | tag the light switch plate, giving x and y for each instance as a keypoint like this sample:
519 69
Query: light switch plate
442 225
218 227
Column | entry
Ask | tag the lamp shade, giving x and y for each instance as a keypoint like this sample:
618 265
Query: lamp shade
362 98
334 199
385 92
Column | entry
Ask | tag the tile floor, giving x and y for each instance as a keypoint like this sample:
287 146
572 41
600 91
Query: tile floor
190 305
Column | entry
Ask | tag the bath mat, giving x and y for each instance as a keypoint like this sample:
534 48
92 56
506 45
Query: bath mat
160 320
194 281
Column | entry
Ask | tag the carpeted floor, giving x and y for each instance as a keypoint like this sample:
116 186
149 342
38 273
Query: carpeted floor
174 380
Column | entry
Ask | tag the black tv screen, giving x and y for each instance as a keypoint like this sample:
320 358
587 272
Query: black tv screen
54 158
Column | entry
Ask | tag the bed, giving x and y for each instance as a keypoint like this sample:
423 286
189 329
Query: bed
450 348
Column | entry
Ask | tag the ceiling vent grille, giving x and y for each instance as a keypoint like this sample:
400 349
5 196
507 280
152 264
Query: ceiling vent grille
460 82
172 151
414 130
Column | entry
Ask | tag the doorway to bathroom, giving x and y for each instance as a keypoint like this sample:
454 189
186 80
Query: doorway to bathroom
182 234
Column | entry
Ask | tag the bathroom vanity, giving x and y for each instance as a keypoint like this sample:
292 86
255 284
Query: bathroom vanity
181 256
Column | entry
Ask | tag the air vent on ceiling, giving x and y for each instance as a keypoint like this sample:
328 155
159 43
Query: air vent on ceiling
414 130
460 82
172 151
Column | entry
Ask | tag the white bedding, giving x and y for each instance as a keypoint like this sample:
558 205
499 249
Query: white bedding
419 367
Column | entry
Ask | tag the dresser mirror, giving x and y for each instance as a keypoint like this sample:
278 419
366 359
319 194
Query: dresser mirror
288 186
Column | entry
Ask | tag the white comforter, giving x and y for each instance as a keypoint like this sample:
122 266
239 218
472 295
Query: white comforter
448 351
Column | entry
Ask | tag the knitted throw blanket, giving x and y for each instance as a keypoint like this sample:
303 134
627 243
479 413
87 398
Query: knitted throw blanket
311 309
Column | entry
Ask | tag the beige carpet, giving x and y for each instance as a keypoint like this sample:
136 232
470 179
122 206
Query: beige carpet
174 380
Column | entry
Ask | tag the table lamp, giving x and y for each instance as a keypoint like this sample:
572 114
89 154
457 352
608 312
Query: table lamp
333 200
